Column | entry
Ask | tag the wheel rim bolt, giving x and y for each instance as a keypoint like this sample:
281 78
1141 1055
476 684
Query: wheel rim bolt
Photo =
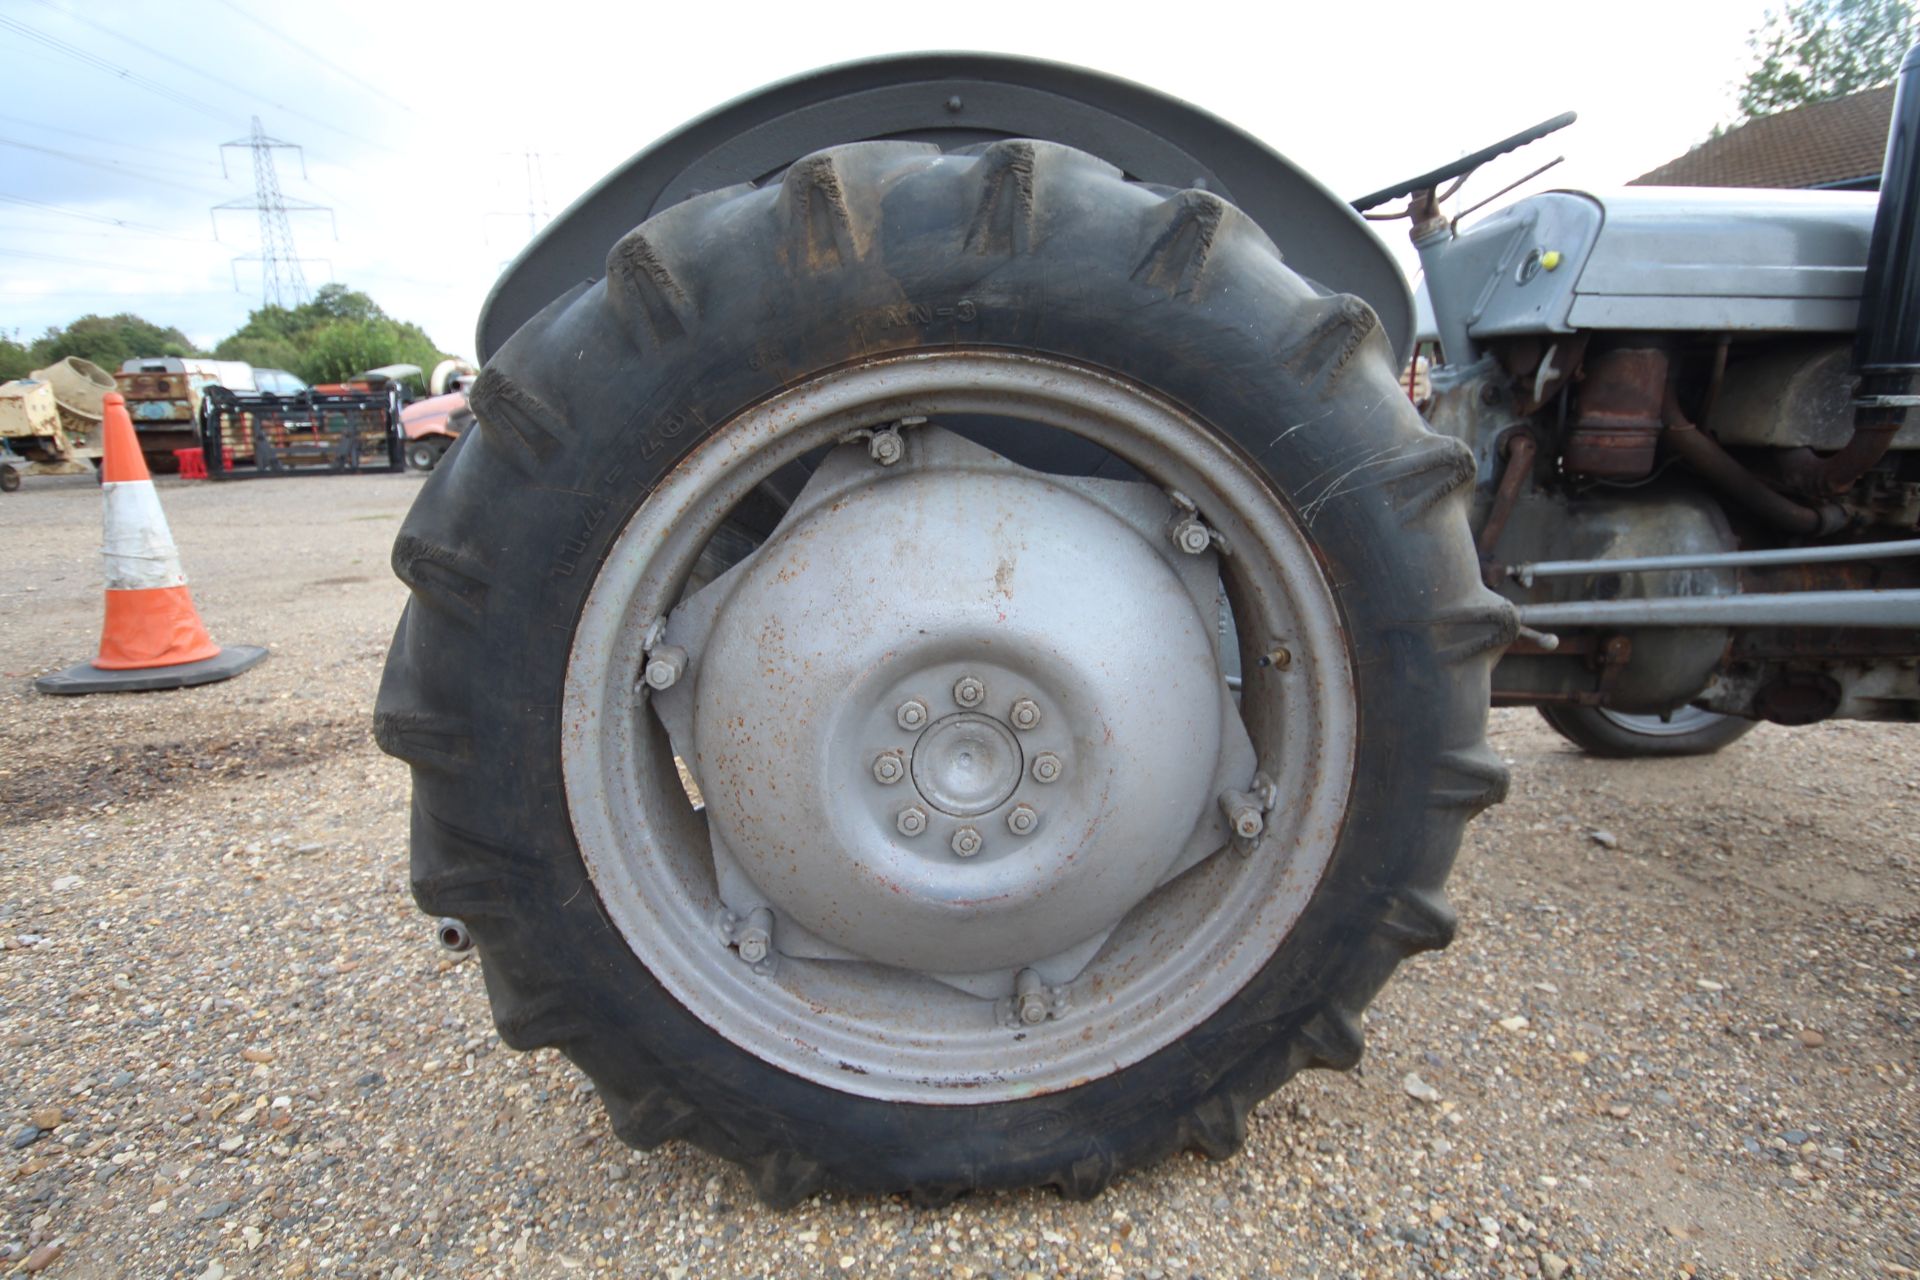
1029 998
885 447
1246 821
665 665
911 714
911 820
888 769
965 842
1191 536
969 691
1046 767
1023 820
1025 714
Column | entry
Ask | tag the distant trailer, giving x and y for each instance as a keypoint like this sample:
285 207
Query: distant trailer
260 434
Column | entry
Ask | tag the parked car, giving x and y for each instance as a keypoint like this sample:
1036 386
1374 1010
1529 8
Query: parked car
432 425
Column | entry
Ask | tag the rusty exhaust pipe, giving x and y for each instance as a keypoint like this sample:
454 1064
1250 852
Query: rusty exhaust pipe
1725 473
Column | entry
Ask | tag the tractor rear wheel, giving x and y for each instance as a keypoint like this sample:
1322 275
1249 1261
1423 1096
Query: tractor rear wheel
944 671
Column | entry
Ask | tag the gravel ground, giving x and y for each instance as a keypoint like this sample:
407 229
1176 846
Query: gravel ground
1676 1036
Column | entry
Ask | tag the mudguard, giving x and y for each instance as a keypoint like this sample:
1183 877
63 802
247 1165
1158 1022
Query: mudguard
957 100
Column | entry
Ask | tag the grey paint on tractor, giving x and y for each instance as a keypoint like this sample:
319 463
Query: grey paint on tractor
958 100
1659 259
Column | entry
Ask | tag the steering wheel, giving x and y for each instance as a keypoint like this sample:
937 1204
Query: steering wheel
1465 164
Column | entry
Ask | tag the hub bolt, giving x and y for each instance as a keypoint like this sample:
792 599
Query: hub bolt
965 842
969 691
885 447
888 768
1046 767
1246 821
1191 535
911 820
665 665
911 714
1029 998
1022 820
1025 714
755 938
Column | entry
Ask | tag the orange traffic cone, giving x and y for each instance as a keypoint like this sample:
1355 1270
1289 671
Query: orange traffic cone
153 637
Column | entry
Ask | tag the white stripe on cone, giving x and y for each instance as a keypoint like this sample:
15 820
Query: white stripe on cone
138 551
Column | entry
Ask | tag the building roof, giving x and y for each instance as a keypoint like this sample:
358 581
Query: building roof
1841 141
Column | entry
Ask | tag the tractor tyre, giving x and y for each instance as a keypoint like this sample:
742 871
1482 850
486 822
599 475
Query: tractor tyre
817 678
1620 735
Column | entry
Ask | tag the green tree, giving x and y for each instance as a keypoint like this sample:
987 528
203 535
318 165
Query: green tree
109 341
343 348
334 335
15 360
1813 50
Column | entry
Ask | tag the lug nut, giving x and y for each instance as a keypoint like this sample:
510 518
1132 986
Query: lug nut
965 842
1029 998
1022 820
911 820
665 665
888 769
885 447
1025 714
1046 767
1246 821
911 714
1191 536
755 940
969 691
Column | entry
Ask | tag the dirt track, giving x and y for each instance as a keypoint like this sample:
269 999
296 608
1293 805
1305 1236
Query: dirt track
1677 1033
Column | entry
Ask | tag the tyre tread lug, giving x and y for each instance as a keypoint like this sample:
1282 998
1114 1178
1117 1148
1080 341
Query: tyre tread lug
448 581
1327 350
1003 216
1189 228
509 414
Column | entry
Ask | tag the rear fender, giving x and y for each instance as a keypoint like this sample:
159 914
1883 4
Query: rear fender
957 100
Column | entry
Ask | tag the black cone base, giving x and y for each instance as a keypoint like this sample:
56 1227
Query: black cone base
87 678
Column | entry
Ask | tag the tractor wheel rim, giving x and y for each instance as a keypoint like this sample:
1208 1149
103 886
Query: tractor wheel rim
1677 724
881 1019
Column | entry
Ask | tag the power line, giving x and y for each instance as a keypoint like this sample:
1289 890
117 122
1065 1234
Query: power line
111 142
82 214
84 262
147 49
304 48
101 64
121 168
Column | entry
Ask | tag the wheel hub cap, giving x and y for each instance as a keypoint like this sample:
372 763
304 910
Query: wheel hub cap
989 596
967 764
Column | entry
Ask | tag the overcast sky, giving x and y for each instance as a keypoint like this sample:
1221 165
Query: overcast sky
416 119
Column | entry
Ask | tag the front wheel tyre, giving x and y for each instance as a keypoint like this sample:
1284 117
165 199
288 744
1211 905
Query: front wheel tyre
815 678
424 454
1622 735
